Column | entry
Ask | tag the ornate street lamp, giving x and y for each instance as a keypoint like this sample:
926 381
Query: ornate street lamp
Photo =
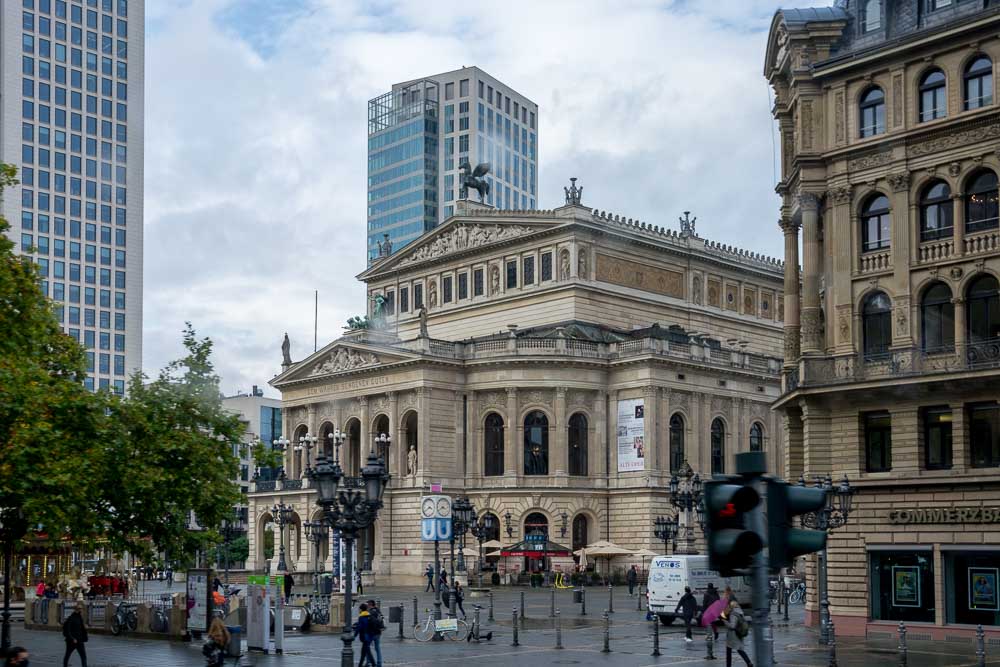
463 514
230 529
563 523
350 504
507 524
686 495
282 515
665 528
318 533
12 528
481 530
834 515
306 443
382 443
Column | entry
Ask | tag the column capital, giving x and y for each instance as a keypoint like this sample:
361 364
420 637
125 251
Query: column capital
789 226
561 392
363 401
808 201
899 182
511 392
841 195
650 390
392 396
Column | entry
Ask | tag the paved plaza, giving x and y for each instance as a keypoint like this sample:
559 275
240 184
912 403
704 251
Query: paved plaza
582 637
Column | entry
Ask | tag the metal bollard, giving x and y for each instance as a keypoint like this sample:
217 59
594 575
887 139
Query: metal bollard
831 645
607 633
901 629
491 619
416 616
523 615
611 599
475 623
788 593
656 637
709 645
514 625
552 602
980 646
638 599
583 601
402 608
558 630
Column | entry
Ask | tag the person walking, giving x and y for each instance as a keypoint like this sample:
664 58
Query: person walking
377 623
17 656
75 634
429 573
736 630
710 597
358 581
688 606
631 578
170 577
445 592
459 594
362 631
218 642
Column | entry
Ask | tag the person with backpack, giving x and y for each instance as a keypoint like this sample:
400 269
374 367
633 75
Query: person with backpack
429 573
688 606
459 596
737 629
377 623
363 631
75 634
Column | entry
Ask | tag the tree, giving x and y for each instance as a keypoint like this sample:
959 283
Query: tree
239 551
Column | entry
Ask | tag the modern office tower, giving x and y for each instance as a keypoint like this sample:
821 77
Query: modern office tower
261 419
421 132
72 122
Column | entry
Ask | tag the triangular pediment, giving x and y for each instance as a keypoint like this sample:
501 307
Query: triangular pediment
341 357
461 235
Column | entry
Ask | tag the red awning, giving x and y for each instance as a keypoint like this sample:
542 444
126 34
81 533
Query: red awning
535 549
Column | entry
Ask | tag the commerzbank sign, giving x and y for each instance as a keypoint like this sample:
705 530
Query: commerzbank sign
946 515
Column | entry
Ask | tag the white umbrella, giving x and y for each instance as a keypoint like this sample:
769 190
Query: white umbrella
492 544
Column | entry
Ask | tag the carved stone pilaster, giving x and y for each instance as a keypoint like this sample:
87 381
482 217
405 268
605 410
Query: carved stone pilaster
808 201
792 345
899 182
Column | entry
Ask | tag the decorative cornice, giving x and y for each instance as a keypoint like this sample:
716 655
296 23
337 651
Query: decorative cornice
808 201
899 182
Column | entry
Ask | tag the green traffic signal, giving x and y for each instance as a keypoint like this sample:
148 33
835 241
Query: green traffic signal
731 545
784 503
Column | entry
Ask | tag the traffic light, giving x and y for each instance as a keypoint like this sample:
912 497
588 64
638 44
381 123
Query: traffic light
731 544
784 503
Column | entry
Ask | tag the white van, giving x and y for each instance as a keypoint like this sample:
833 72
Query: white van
668 575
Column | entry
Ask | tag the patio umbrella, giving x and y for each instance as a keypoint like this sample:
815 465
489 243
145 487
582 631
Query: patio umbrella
713 612
492 544
644 554
607 550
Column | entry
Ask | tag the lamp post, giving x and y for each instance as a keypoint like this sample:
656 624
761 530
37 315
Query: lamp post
563 523
350 504
281 445
686 495
832 516
507 524
317 532
463 514
665 528
230 529
12 528
282 515
481 529
306 444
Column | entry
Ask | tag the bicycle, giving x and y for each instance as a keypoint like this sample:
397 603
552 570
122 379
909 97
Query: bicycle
126 619
160 620
423 632
319 613
798 593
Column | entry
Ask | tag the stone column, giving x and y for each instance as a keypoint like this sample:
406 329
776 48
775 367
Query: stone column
511 451
366 435
958 216
423 431
559 462
306 455
397 453
597 446
811 326
791 231
612 435
960 330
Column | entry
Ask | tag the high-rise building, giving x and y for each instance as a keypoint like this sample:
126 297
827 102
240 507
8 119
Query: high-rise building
261 419
421 132
72 122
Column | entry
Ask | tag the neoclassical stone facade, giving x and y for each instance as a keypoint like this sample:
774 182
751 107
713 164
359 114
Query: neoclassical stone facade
509 341
890 137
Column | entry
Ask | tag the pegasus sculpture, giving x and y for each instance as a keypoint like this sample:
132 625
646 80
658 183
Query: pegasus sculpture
474 179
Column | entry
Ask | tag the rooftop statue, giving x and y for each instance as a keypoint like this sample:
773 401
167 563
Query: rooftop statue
573 193
475 179
286 351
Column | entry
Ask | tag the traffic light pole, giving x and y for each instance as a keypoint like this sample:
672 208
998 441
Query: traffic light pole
752 466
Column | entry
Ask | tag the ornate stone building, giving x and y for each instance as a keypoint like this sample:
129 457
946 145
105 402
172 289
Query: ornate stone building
889 132
556 365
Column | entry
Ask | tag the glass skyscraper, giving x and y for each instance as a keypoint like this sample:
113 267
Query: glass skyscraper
421 132
72 109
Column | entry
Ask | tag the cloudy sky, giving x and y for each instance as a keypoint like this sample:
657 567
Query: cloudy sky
256 140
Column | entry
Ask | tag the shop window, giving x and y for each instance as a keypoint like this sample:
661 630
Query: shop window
937 319
984 435
876 320
971 587
901 586
937 437
878 441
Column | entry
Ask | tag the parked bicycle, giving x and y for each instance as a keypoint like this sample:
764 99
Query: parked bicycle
126 618
798 593
423 632
318 611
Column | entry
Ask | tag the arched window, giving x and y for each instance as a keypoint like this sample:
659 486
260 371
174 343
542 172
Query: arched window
493 533
981 207
937 319
298 454
676 442
579 532
876 325
932 98
983 309
410 423
536 443
325 444
756 437
871 112
936 212
536 523
978 83
578 444
380 427
493 456
871 19
718 447
875 223
351 459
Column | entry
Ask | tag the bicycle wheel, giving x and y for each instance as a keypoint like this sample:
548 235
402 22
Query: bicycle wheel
423 632
795 597
116 625
132 620
460 634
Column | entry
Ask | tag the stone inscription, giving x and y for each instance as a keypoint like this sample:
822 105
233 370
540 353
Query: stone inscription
946 515
337 388
640 276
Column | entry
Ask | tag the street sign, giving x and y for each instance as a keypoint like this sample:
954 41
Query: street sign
435 530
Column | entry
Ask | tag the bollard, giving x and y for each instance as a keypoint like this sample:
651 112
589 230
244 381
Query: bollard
402 607
788 593
638 599
491 619
980 646
558 630
583 601
901 629
709 645
416 616
656 637
475 623
611 599
514 625
831 645
607 633
523 615
552 602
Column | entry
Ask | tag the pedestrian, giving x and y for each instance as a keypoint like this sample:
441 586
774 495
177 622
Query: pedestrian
632 577
710 597
289 584
218 642
358 581
459 594
16 657
362 631
429 573
170 577
445 592
75 634
736 629
688 606
377 622
728 594
216 583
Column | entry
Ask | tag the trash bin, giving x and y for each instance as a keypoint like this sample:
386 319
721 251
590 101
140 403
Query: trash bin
326 584
235 641
577 595
395 614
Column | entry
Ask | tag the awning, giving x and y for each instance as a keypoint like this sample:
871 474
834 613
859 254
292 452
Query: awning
535 548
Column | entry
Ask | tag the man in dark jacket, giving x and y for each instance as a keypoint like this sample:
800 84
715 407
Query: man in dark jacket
75 634
289 583
711 596
631 578
363 631
377 624
687 606
429 573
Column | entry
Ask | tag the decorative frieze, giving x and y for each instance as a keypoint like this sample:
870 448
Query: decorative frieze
628 273
952 139
345 359
465 237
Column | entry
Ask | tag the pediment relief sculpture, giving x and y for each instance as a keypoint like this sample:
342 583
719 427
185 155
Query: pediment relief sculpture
345 359
464 237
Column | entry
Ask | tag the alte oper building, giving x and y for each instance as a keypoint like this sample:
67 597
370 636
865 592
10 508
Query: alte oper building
554 365
890 136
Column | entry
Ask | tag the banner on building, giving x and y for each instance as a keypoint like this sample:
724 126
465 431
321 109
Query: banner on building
905 586
631 435
983 589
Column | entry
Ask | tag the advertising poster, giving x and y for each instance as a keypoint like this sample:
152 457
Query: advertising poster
631 435
258 613
198 600
342 551
983 589
905 586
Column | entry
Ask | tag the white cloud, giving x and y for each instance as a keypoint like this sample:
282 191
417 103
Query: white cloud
255 140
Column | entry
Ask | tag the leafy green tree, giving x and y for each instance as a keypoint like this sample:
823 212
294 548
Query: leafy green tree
239 551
